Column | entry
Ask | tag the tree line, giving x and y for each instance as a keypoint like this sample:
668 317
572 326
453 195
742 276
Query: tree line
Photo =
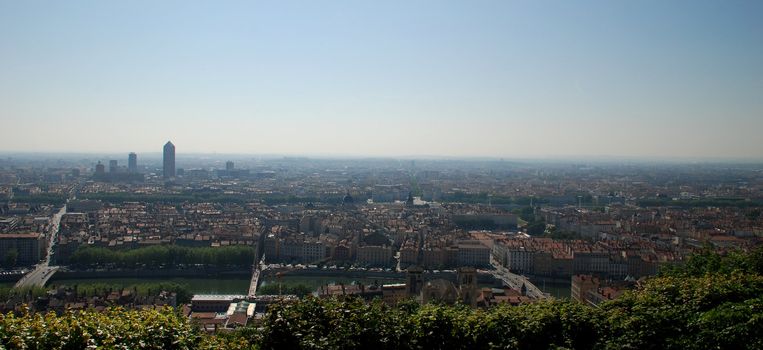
213 197
164 255
40 198
701 203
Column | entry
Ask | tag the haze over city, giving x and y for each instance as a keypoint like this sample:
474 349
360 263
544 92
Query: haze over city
392 78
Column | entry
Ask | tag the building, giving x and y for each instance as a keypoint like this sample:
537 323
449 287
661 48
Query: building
230 171
214 302
473 253
374 255
239 314
313 250
132 163
21 249
113 166
408 254
593 291
520 259
433 258
439 291
413 281
467 285
169 160
581 285
392 294
492 296
100 169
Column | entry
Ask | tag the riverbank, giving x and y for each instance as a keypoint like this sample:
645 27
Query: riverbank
144 273
201 285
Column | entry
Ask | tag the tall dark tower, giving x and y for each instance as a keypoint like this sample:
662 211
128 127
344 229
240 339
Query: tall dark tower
467 285
169 160
132 163
413 281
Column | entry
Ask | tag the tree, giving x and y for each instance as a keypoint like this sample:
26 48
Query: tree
536 228
10 259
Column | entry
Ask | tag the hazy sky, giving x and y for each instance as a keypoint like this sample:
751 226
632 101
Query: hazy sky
456 78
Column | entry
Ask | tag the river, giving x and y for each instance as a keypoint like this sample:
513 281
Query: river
555 287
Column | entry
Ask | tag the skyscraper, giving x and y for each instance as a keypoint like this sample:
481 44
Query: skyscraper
169 160
229 165
132 163
113 165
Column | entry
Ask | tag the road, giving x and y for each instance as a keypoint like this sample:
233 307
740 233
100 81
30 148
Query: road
43 271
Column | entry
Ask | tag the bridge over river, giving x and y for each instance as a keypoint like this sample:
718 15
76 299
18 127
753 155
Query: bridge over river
255 280
517 282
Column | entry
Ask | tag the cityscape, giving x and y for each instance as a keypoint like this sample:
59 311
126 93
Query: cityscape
239 235
428 174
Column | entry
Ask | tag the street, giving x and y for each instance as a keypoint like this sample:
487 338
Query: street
43 271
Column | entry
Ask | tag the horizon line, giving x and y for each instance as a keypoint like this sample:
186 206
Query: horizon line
549 157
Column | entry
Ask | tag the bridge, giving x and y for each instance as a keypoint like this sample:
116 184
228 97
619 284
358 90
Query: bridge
37 277
255 281
517 281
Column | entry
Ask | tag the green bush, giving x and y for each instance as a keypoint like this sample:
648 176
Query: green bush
714 311
352 324
115 328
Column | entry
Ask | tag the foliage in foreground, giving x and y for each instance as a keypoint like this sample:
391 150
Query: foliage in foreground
705 306
115 328
351 324
709 262
714 311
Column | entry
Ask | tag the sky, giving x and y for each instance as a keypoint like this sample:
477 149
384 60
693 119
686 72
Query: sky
384 78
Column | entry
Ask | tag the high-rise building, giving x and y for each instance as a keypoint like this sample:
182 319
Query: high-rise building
113 165
100 170
229 165
169 160
132 163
